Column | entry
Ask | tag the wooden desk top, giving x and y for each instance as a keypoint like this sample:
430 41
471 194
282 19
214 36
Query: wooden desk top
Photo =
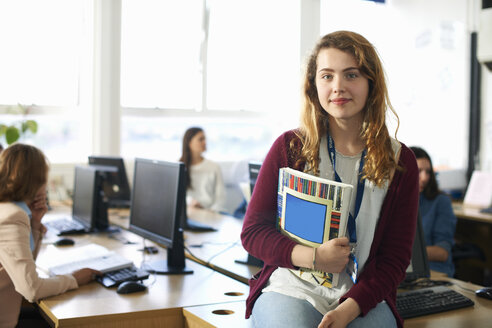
219 249
93 305
471 213
217 315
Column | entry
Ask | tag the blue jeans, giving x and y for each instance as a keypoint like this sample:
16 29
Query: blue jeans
273 310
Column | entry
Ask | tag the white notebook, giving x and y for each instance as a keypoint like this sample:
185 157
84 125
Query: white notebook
89 256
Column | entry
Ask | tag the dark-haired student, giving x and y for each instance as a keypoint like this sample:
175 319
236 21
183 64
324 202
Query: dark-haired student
438 219
23 178
342 132
205 184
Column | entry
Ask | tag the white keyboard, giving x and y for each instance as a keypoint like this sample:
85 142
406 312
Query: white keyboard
105 263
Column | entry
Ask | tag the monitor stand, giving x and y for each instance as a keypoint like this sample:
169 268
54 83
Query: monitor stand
175 263
162 267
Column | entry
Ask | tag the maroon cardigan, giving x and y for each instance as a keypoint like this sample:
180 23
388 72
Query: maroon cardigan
391 248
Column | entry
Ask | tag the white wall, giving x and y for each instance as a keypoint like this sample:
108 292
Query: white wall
426 59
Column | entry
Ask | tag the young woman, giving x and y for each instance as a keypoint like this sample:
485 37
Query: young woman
438 219
342 130
23 178
205 186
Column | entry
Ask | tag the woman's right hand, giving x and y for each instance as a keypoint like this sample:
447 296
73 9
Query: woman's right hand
86 275
333 255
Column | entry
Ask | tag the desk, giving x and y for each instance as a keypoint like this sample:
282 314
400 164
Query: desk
161 305
229 230
215 249
190 302
471 213
476 228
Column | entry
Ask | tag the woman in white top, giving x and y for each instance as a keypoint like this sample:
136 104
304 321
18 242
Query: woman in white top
23 178
205 185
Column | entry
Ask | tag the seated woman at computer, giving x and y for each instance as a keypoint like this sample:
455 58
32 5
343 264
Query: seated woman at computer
438 219
205 185
343 132
23 179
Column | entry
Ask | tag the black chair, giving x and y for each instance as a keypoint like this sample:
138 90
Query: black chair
469 263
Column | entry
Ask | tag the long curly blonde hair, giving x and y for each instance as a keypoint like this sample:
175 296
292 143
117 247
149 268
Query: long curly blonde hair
380 160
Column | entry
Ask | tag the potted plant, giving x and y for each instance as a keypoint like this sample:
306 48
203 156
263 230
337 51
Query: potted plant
12 132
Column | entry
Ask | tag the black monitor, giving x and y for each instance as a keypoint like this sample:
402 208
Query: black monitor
253 170
419 265
155 213
89 206
116 186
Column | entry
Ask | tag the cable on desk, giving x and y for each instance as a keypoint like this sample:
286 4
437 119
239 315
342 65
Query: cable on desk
223 251
464 288
423 283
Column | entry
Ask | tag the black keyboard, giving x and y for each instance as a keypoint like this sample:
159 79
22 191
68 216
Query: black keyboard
192 225
65 226
430 300
116 277
487 210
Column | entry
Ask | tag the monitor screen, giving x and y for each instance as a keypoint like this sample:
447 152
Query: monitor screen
116 187
253 170
157 204
83 195
89 206
419 265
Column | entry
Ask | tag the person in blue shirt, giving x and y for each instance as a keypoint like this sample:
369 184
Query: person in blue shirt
438 219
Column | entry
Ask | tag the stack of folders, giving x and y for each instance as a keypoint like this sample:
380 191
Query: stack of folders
88 256
312 210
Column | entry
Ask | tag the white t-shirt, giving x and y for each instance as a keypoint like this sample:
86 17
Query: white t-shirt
207 185
322 298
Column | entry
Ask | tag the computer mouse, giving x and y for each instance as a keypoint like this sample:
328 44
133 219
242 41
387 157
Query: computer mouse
485 292
64 242
128 287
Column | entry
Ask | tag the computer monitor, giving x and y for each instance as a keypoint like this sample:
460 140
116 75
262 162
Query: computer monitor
419 264
253 170
116 186
89 206
155 212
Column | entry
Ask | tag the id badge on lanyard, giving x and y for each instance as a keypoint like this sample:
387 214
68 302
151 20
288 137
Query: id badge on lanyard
352 266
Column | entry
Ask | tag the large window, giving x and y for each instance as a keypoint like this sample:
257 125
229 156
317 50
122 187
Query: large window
160 53
230 66
253 55
43 65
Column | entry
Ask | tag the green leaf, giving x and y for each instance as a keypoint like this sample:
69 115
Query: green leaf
32 126
3 129
23 127
12 135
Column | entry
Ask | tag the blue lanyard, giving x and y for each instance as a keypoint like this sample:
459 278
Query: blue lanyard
360 187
